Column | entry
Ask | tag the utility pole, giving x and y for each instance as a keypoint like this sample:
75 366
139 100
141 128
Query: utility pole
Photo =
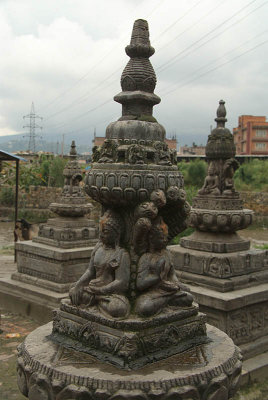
32 127
62 144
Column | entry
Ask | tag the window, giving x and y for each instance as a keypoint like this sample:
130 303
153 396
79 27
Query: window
260 146
261 133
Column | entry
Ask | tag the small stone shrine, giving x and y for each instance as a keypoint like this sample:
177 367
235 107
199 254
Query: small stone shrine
130 329
58 256
229 279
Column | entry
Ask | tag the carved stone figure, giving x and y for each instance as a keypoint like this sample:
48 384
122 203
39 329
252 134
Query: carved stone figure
108 151
229 169
96 154
162 155
136 154
211 184
106 280
156 278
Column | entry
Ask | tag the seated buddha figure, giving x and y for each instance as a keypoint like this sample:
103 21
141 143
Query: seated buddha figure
106 280
157 281
211 184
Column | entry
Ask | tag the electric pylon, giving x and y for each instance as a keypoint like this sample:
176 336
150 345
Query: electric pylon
32 126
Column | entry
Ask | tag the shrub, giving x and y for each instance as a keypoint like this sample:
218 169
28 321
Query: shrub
7 197
252 176
194 172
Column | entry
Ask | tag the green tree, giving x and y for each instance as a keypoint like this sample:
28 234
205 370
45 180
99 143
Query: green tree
56 171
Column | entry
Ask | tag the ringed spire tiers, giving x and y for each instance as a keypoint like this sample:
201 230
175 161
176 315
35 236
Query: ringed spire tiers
138 82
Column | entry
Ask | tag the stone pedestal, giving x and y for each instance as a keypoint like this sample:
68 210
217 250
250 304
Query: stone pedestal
237 304
49 371
130 343
50 267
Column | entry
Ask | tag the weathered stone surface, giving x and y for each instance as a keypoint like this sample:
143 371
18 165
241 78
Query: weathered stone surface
60 253
50 267
226 277
221 271
129 343
241 313
217 208
205 372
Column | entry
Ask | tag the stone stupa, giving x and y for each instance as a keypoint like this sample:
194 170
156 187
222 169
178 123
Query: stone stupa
56 258
228 278
130 329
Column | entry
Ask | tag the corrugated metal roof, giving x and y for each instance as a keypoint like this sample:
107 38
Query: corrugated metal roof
8 156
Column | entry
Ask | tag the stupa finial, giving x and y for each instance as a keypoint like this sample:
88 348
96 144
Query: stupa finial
73 152
140 44
221 114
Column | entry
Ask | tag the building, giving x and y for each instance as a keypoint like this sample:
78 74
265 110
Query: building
193 150
251 135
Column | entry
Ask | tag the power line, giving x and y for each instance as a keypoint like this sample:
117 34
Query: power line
193 25
96 88
168 63
95 65
184 84
215 68
222 56
178 19
84 114
84 97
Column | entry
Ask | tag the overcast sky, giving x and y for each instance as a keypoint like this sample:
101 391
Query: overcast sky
67 57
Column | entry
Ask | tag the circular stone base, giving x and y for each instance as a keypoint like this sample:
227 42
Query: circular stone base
47 371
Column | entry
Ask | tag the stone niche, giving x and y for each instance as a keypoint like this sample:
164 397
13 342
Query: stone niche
227 277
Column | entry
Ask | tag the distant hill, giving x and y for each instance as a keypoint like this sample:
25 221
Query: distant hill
14 143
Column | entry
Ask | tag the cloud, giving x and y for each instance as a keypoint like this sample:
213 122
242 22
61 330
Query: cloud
67 57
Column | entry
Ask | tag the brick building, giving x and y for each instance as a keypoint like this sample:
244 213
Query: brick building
251 135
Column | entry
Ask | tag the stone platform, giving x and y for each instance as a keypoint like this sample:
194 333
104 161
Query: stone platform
50 267
223 272
49 371
242 314
42 280
132 342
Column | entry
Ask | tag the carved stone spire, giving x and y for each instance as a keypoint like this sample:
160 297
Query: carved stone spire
138 82
221 142
73 152
138 79
221 114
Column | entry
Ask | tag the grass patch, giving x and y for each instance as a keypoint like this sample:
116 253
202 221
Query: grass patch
255 391
7 250
261 246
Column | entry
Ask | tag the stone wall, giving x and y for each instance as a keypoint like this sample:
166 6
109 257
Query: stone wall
39 198
256 201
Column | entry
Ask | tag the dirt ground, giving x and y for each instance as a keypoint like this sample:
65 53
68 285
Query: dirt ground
11 324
